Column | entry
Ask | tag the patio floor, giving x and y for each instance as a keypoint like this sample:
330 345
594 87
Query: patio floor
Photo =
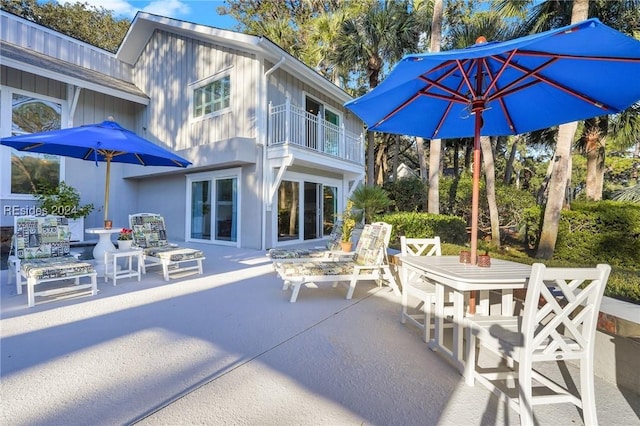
227 347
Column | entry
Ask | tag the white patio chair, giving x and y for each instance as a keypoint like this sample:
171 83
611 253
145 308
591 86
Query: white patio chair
552 328
416 286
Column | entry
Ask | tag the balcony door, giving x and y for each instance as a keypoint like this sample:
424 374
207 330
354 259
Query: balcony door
321 135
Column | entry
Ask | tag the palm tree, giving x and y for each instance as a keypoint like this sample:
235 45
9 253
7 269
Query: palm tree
369 42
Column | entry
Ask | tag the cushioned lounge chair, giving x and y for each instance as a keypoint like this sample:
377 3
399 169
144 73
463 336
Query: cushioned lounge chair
149 233
332 250
42 255
369 263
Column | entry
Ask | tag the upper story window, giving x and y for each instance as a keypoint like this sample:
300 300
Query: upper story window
212 97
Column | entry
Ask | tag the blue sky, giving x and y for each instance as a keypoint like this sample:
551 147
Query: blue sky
198 11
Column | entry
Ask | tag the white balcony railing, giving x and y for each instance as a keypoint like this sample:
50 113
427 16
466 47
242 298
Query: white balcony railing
289 124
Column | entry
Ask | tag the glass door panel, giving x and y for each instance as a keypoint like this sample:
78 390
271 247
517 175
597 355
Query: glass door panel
288 211
226 209
201 210
329 208
311 210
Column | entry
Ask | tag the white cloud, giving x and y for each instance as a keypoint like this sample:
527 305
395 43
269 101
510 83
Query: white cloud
172 8
128 9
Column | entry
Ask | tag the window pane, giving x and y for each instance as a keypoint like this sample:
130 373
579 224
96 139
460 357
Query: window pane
226 209
30 170
212 97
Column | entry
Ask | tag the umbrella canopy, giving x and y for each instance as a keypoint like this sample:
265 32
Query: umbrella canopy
506 88
106 142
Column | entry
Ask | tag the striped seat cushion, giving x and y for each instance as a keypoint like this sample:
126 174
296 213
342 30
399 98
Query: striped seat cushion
55 267
173 254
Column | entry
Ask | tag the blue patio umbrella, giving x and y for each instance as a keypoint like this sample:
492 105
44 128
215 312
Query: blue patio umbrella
506 88
105 142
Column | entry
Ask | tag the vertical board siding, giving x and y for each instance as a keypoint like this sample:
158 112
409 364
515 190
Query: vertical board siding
186 61
32 36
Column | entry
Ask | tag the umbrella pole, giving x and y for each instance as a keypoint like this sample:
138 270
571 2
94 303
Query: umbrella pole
106 187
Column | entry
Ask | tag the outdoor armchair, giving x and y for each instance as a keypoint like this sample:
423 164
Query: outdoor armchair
369 263
557 324
416 286
331 250
150 234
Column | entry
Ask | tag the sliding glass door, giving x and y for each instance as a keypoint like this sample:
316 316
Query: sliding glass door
306 210
213 206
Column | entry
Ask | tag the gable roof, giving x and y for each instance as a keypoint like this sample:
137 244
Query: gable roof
144 24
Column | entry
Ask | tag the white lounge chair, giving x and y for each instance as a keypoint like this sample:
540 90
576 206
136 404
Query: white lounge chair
369 263
149 233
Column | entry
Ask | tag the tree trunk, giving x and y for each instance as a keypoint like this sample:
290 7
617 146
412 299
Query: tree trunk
435 146
371 152
490 180
557 186
422 163
435 150
508 173
396 154
591 149
561 170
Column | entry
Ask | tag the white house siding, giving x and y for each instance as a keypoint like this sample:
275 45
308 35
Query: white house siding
40 39
32 83
168 65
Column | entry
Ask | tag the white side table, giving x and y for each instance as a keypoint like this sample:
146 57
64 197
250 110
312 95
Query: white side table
112 269
104 245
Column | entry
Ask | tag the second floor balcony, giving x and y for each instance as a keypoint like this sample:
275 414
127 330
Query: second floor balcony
289 124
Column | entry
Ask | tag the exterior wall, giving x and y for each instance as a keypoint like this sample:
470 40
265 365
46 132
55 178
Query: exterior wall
88 179
26 34
168 65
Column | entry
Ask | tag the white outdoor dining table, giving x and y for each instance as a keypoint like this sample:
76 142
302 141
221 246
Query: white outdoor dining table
447 273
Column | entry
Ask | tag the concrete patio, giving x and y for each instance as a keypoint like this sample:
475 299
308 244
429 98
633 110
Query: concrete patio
227 347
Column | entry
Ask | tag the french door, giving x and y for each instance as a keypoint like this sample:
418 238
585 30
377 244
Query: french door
213 207
306 210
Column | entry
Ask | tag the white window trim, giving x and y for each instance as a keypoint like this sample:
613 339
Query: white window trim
6 96
192 87
213 176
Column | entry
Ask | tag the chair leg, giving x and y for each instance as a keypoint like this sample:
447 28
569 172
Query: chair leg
94 284
470 365
294 293
426 308
31 300
525 393
165 270
352 287
587 393
405 301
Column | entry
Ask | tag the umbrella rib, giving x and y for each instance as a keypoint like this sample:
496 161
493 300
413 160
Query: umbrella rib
494 85
140 159
542 79
586 58
446 113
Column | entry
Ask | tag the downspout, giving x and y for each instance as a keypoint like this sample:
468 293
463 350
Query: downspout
265 170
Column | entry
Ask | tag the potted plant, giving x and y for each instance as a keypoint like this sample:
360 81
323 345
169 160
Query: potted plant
348 224
125 239
64 200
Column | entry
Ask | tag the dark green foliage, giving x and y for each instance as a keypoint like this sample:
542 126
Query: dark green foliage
63 200
595 232
450 229
408 194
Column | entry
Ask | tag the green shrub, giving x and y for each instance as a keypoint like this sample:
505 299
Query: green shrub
450 229
593 232
408 194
